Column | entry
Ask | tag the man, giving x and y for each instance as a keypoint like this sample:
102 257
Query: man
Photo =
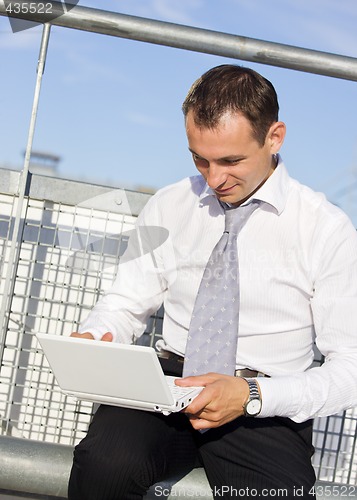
297 284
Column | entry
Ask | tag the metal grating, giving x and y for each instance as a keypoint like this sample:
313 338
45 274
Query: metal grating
335 440
68 256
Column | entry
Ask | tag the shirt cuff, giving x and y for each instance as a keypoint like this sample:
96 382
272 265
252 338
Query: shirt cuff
282 396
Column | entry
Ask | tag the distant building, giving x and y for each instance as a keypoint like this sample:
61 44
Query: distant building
44 163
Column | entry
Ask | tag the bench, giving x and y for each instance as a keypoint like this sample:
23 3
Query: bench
42 469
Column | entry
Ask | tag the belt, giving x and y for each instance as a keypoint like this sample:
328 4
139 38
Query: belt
171 355
244 372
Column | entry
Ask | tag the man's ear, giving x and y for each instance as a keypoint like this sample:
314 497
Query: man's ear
276 136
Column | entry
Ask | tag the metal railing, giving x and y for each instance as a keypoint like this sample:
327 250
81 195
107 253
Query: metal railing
196 39
67 254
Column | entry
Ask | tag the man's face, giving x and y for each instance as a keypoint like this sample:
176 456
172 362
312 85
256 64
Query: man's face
230 159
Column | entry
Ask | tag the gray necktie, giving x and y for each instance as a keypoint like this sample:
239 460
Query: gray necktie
213 332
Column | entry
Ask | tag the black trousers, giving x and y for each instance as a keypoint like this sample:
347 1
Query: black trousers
126 451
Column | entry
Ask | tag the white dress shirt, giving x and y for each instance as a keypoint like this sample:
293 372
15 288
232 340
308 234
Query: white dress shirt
298 285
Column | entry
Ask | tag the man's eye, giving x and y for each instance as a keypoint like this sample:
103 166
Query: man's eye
198 159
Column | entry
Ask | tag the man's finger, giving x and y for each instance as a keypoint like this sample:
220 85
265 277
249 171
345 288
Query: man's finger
85 335
107 337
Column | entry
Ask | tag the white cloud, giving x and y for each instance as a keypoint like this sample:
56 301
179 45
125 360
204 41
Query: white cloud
144 119
175 11
333 38
178 12
27 39
320 7
82 67
317 24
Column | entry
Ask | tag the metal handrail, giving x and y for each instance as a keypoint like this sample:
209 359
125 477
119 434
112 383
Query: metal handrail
34 467
196 39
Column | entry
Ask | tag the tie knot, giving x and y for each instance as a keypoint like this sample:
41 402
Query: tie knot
235 218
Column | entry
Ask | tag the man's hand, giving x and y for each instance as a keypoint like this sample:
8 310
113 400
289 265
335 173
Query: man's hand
221 400
107 337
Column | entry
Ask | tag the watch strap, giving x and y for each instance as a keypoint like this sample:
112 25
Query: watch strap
253 394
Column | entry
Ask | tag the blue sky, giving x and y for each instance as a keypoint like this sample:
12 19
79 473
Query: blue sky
111 108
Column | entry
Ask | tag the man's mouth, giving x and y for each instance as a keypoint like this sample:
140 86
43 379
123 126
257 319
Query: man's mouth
225 190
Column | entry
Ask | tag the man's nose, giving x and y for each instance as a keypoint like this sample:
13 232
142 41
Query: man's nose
215 176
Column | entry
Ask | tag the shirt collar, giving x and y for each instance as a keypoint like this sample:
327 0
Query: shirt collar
274 191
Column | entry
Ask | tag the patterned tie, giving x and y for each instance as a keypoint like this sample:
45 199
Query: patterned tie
213 333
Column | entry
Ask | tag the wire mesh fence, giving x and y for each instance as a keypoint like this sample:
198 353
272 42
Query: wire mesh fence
68 254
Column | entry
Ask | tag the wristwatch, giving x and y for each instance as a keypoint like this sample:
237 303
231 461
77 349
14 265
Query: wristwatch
253 405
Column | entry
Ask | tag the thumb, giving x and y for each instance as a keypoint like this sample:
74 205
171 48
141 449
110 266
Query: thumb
107 337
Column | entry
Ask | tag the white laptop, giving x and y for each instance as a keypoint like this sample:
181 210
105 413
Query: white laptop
113 374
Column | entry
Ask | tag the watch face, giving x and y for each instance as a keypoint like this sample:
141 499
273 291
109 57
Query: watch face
253 407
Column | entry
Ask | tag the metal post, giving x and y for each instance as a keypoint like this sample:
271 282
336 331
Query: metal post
21 202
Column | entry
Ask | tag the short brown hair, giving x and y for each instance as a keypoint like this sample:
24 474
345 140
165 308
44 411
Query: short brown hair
232 88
